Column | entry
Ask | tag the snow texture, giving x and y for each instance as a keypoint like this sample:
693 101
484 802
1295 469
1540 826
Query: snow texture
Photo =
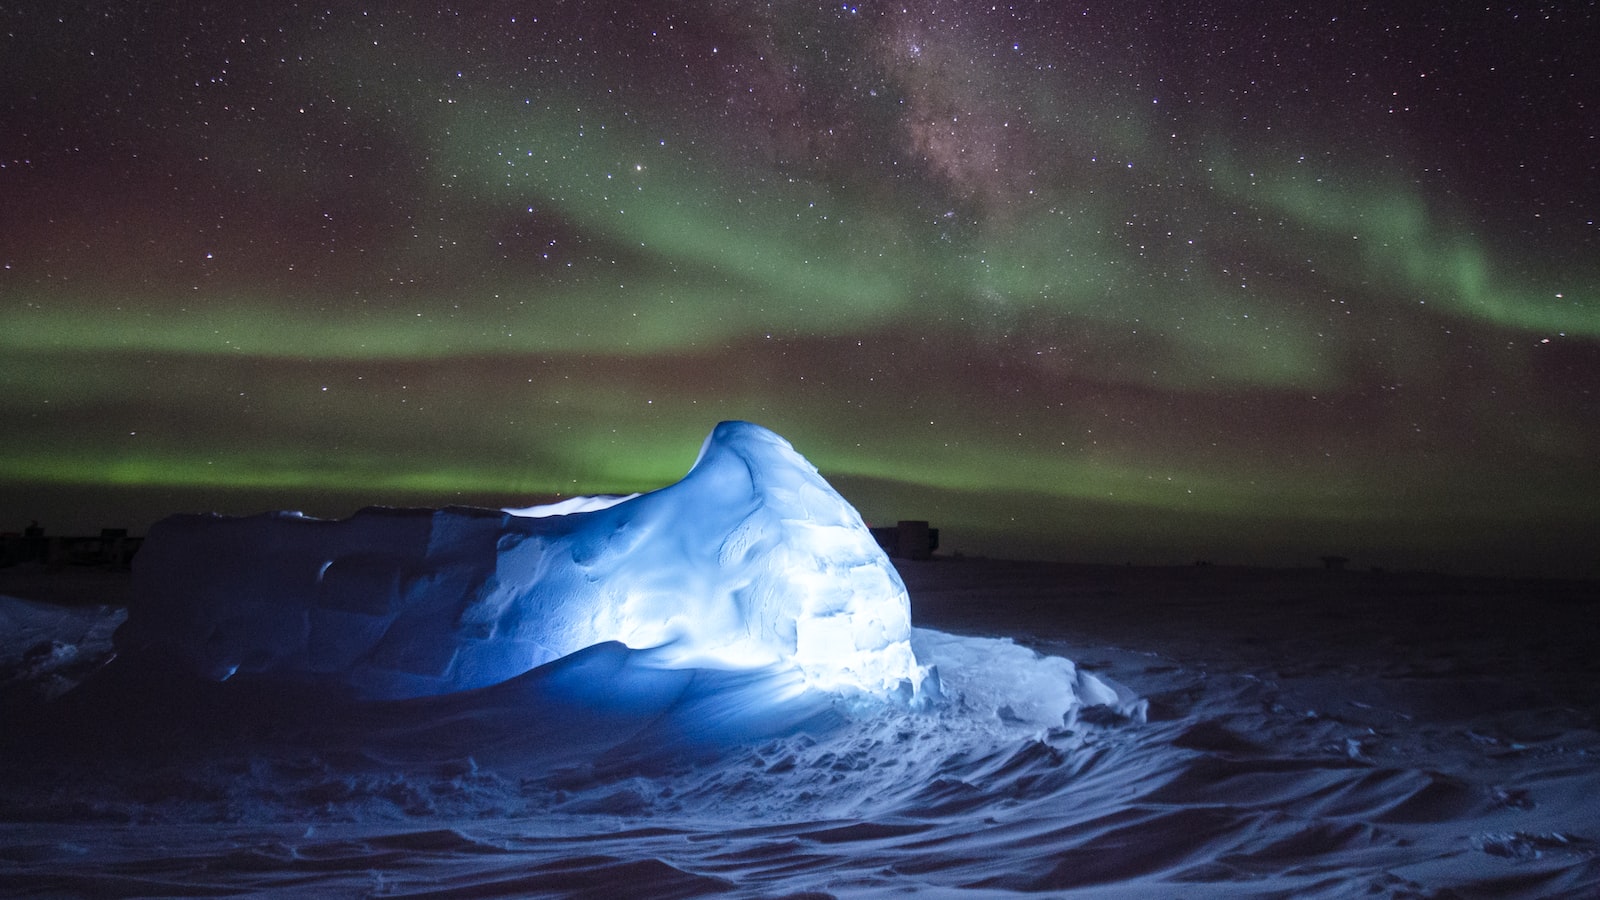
1311 734
752 560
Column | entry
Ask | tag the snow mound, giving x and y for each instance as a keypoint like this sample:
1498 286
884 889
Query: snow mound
751 560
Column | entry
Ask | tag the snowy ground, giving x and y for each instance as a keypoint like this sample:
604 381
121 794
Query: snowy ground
1308 734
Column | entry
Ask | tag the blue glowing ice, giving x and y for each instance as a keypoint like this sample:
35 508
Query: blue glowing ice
752 560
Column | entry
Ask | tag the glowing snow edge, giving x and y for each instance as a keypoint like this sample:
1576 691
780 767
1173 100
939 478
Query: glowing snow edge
751 560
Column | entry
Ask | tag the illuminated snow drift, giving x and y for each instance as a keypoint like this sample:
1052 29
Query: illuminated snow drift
751 560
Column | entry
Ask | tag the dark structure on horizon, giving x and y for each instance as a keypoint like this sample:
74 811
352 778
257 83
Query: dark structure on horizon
112 547
907 539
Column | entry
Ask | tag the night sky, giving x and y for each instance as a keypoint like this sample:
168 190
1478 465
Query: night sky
1147 282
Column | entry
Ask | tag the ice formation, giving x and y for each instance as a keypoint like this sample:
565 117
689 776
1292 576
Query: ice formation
751 560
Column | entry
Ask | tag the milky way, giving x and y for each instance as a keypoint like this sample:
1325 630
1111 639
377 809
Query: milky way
1108 282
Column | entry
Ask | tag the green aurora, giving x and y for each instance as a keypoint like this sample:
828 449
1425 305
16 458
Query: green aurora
975 282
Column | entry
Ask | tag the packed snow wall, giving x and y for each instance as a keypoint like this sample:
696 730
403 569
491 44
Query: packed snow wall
751 560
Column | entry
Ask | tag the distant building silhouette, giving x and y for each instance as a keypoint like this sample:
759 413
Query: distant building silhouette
907 539
112 547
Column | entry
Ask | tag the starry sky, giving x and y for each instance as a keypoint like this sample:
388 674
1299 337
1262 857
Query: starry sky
1146 282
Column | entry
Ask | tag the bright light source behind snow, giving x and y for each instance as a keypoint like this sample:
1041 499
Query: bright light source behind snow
751 560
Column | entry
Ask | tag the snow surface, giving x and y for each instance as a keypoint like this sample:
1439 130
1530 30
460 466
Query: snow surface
751 560
1320 735
1306 734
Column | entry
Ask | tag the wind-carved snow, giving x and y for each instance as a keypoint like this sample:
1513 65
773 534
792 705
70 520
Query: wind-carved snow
751 560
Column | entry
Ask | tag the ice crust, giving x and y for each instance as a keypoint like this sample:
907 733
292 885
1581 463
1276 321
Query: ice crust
751 560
